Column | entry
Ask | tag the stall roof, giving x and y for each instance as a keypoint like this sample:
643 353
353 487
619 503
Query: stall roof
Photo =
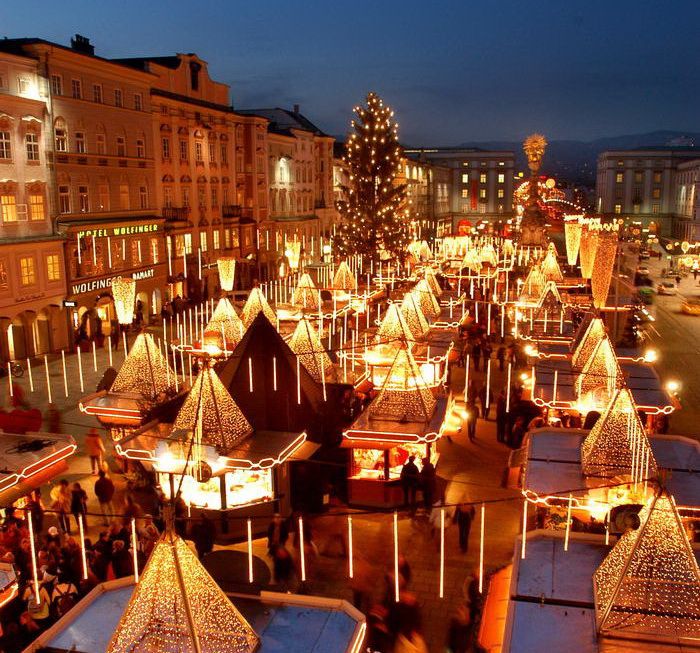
553 464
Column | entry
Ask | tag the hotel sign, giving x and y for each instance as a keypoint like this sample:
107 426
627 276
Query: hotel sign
101 284
129 230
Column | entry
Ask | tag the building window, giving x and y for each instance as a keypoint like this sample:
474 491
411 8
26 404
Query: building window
465 178
185 197
201 197
620 163
8 204
61 140
482 193
103 197
183 151
482 178
501 178
657 177
64 199
224 196
501 193
638 177
53 267
121 146
501 163
618 208
36 207
619 177
465 193
80 142
143 197
124 196
101 144
167 196
118 97
26 271
656 193
76 87
83 199
227 238
655 208
198 157
5 146
216 235
138 101
97 93
203 241
188 243
214 196
165 147
31 141
212 151
140 148
224 154
56 85
154 250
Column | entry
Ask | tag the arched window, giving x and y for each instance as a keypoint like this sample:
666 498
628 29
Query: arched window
283 175
61 135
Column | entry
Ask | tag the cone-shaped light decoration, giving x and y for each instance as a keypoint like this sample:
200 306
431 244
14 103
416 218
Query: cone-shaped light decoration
587 342
393 328
617 444
414 317
572 233
428 302
177 607
227 272
605 257
589 245
432 280
648 586
344 279
225 328
601 371
223 423
471 261
255 303
124 293
306 344
534 285
145 370
404 395
306 294
550 266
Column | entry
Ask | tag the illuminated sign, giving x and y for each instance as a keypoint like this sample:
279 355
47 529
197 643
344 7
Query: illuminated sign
119 231
101 284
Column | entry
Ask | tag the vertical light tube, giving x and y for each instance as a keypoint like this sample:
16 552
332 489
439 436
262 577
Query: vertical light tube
302 558
481 549
442 553
32 548
351 566
48 380
83 555
396 556
522 542
134 549
250 551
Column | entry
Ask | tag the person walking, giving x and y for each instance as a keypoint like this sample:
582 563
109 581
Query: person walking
472 416
53 419
501 416
277 532
501 357
476 355
78 504
203 536
459 634
61 503
95 449
104 491
428 483
464 516
410 478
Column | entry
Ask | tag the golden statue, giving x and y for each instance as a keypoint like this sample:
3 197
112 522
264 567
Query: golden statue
534 147
533 222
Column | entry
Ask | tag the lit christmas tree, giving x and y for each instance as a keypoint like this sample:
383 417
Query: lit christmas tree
373 217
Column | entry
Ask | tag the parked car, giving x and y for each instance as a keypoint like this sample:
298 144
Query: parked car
691 306
643 271
646 294
666 288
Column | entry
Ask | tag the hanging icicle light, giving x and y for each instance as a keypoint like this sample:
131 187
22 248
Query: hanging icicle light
227 272
588 247
124 293
604 263
572 231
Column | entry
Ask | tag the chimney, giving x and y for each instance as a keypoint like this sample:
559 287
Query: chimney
82 44
296 108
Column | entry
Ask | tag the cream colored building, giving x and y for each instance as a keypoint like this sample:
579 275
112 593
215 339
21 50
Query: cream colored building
32 268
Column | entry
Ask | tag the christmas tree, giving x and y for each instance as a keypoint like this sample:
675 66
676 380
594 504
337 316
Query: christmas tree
374 216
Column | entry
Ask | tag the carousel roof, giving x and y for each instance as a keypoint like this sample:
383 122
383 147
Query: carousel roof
145 370
177 607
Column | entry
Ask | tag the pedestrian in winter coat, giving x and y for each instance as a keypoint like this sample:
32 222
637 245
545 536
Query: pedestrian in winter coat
410 478
78 504
104 491
464 516
428 482
95 449
61 503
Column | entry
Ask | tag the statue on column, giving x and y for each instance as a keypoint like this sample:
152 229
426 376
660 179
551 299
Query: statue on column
533 221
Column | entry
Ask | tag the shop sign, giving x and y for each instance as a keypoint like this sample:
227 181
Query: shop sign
128 230
100 284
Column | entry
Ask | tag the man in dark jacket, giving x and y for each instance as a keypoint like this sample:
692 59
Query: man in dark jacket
464 516
410 478
104 491
428 482
203 536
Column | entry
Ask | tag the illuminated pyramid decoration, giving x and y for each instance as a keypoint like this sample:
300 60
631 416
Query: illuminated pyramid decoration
306 344
600 371
145 370
424 251
177 607
617 445
550 299
432 281
471 261
412 313
226 324
394 327
344 279
427 300
405 395
534 284
649 583
306 295
550 266
593 334
223 423
488 254
256 303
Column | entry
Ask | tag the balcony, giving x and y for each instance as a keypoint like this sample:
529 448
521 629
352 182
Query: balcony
176 213
231 211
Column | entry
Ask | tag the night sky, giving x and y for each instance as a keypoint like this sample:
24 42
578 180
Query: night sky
454 71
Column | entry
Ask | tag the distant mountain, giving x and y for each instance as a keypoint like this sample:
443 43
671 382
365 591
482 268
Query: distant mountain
575 161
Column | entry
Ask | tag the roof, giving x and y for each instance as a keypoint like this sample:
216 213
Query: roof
173 62
283 120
